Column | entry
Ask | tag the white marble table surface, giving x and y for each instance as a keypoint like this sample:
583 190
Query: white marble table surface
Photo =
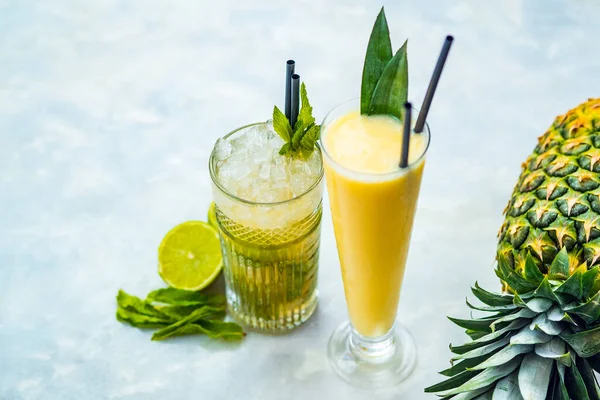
108 110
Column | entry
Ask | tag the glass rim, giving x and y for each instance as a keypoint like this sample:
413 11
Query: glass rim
398 172
217 183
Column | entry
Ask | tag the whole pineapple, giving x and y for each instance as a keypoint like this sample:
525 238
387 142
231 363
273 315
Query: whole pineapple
543 337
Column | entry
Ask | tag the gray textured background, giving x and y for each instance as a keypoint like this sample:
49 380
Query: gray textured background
108 110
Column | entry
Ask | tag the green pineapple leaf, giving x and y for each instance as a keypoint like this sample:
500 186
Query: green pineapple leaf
588 280
574 285
514 280
539 305
474 324
543 324
464 364
508 388
475 334
556 314
281 125
560 265
522 313
491 299
589 312
499 309
575 384
560 390
379 54
586 343
452 382
532 272
555 350
504 356
534 376
484 393
391 91
481 351
589 379
545 291
528 336
485 378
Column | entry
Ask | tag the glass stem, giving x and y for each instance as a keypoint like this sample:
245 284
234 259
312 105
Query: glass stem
373 349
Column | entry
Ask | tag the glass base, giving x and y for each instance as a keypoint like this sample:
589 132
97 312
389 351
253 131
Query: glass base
372 362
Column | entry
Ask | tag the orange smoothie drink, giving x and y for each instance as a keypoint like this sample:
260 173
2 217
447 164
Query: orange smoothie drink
373 204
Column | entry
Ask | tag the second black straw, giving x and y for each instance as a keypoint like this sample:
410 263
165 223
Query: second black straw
406 135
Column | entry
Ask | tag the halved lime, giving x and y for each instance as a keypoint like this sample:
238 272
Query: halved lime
189 256
212 215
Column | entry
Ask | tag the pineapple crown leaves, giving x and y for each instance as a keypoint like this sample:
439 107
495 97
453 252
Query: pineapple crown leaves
541 342
384 87
299 140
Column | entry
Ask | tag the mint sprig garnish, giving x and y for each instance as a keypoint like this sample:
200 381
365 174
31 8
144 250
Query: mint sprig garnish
384 87
301 139
178 312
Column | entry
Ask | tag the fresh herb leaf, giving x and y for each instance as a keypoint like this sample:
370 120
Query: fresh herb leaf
179 312
222 330
136 305
212 329
285 149
141 320
305 118
281 125
186 313
301 143
183 297
379 53
198 314
391 91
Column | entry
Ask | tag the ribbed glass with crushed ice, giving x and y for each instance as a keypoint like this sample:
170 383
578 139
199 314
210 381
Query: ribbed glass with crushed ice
268 210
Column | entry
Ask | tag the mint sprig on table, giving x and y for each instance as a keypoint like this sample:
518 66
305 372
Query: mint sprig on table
384 88
178 312
300 139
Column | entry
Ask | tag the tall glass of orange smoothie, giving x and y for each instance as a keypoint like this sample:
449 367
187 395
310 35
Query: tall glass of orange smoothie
373 204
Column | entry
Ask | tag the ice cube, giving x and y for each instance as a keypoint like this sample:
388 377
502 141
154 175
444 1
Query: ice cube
222 149
265 171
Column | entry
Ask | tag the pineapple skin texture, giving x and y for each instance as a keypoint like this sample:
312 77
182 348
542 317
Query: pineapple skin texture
556 202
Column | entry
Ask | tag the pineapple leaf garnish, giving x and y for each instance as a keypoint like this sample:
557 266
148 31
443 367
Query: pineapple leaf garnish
300 140
384 86
392 88
379 54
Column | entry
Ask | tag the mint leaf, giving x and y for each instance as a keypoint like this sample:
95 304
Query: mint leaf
135 305
379 53
222 330
281 125
297 144
305 117
285 149
200 313
183 297
391 91
310 138
179 312
140 320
